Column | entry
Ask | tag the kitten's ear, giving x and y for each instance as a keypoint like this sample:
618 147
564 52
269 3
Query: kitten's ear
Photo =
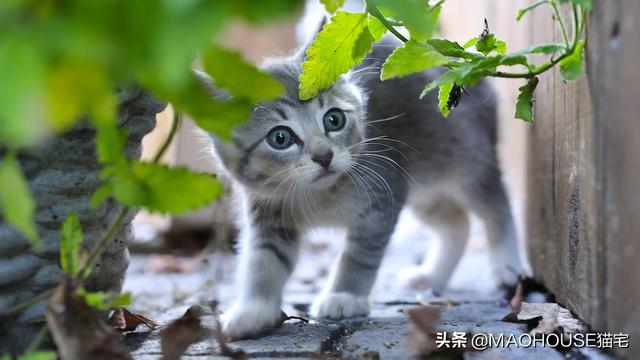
209 84
301 55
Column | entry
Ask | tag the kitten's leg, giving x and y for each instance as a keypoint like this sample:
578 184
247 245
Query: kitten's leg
347 294
489 201
451 223
267 259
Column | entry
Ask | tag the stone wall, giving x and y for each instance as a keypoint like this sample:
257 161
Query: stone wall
63 175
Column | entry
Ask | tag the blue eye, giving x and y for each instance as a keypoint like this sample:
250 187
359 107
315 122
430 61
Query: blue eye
334 120
280 138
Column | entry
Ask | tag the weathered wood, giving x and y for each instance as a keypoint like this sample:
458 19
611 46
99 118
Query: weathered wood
584 206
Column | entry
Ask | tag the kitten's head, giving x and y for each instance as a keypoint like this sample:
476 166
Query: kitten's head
291 144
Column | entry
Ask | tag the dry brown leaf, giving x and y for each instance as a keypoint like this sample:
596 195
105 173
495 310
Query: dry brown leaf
124 320
79 330
421 337
179 334
554 314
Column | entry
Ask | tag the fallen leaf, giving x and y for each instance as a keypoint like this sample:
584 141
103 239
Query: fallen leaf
421 337
550 314
79 330
179 334
124 320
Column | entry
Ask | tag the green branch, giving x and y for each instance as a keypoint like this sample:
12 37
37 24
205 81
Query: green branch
373 10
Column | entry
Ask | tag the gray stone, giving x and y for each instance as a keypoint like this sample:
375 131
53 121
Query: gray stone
63 174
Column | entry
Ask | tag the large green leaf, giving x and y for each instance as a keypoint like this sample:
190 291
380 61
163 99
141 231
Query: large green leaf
163 189
17 204
572 66
524 105
70 241
410 58
340 45
231 72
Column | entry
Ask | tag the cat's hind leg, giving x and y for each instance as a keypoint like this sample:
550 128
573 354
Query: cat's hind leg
451 223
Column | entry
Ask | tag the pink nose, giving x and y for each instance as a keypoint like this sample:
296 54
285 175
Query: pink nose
323 159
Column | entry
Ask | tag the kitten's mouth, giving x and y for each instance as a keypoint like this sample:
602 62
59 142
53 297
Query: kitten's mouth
324 174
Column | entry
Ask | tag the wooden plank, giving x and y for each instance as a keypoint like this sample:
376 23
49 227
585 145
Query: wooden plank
584 206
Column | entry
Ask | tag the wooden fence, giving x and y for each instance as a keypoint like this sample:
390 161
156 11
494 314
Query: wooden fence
583 212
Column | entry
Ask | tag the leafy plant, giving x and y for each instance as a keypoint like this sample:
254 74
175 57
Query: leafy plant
332 53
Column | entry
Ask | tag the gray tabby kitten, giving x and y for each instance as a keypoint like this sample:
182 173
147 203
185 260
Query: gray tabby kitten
353 157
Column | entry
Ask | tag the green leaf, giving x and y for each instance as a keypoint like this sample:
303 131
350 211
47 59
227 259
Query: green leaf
586 4
230 71
110 143
17 203
470 43
70 242
572 66
105 301
411 57
486 44
525 10
451 48
37 355
163 189
414 15
336 49
501 47
103 192
376 28
546 49
443 98
524 105
332 5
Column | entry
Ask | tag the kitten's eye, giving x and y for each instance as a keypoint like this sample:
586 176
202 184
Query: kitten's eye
334 120
280 138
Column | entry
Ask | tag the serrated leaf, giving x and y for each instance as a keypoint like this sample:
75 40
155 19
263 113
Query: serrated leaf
376 28
524 105
336 49
451 76
501 47
525 10
37 355
451 48
332 5
17 203
572 66
230 71
486 44
163 189
70 242
443 98
411 57
414 15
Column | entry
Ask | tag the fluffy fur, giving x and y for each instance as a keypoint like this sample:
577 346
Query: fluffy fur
395 150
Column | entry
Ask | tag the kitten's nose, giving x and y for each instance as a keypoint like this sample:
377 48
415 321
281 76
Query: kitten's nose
323 159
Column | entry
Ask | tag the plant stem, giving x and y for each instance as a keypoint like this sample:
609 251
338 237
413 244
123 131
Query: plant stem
28 303
99 247
174 128
373 10
37 341
556 11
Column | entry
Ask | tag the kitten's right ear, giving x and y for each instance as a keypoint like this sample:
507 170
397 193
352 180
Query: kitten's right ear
302 53
209 84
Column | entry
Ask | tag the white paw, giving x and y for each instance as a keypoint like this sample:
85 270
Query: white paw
249 319
338 306
417 278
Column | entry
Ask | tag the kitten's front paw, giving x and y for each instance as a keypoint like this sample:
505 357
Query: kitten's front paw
250 319
338 306
417 278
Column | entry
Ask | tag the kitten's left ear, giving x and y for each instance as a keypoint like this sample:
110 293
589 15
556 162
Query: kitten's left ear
301 55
